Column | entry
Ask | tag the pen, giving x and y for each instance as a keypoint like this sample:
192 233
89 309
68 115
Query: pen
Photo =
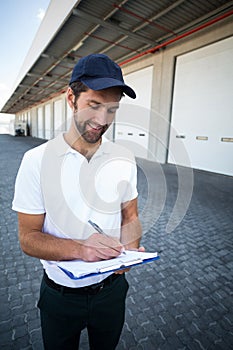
99 230
96 227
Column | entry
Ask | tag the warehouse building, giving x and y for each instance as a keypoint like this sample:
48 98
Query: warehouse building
177 55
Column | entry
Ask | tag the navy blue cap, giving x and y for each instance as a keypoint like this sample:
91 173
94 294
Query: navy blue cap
98 72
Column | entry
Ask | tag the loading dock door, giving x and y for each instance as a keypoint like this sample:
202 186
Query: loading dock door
133 117
202 111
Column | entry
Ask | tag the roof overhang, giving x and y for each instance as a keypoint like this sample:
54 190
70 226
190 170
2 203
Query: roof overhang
124 30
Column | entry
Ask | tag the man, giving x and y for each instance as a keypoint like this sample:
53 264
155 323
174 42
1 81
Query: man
60 186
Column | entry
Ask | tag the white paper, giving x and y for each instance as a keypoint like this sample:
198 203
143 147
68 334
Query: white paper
80 268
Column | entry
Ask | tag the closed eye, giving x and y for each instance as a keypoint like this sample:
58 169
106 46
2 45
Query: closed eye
95 106
113 109
110 110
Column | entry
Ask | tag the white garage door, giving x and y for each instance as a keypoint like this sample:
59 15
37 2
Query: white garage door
202 113
133 118
40 122
58 120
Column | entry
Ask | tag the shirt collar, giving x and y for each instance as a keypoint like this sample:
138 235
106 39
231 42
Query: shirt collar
62 148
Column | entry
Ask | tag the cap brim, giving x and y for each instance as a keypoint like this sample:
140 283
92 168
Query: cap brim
104 83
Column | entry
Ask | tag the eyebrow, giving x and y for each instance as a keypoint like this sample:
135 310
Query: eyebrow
94 101
115 104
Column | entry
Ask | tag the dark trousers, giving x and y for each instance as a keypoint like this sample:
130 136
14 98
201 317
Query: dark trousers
65 315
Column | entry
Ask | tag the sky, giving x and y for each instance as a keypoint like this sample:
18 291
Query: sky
19 22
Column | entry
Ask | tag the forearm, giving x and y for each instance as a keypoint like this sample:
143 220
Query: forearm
131 232
45 246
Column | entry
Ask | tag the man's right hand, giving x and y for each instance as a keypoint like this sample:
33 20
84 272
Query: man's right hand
99 247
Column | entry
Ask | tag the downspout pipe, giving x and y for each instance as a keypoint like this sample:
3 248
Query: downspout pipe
171 41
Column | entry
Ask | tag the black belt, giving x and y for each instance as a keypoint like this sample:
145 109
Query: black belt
92 289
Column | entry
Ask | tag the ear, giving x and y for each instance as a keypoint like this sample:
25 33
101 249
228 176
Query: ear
70 98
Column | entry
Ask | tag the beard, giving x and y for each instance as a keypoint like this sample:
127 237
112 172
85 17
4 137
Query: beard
90 135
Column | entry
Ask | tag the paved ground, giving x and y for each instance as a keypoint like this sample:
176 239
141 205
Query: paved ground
183 301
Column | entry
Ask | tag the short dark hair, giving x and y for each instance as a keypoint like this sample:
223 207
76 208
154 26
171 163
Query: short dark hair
78 87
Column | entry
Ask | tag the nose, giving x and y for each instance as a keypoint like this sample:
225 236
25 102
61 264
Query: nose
101 116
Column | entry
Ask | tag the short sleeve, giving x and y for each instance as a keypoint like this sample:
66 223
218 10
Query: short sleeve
28 197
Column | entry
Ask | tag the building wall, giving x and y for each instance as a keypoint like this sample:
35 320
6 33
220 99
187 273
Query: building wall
163 63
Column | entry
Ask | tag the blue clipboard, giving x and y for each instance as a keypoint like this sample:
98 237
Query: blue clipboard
73 277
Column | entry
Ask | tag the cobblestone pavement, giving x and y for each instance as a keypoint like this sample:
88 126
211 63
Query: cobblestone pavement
182 301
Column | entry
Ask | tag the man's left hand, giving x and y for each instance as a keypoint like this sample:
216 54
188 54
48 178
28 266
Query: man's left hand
120 272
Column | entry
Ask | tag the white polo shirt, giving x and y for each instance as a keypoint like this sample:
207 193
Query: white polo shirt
57 180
